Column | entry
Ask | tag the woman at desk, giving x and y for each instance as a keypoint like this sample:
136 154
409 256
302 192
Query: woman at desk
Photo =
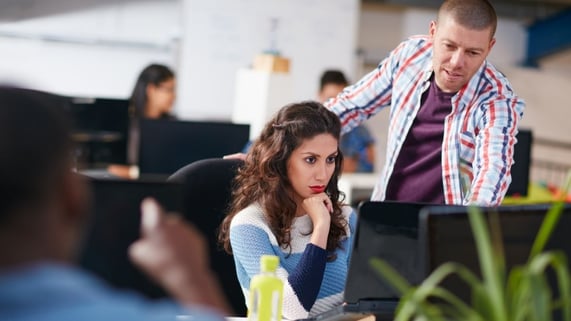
153 97
287 203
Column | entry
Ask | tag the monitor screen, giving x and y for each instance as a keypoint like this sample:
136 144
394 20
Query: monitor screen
115 224
100 130
389 231
167 145
447 237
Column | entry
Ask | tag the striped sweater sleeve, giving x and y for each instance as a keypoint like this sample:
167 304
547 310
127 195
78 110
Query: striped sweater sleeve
308 275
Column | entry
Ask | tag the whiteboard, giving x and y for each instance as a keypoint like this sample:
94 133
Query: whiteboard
221 36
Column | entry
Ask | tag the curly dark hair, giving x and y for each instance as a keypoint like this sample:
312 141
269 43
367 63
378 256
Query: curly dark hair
264 179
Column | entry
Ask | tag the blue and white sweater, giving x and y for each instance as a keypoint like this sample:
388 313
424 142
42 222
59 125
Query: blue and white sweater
311 284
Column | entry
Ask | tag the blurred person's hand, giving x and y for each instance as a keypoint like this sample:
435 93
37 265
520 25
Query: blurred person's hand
175 254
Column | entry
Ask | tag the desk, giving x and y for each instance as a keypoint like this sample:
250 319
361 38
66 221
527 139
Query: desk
369 318
357 186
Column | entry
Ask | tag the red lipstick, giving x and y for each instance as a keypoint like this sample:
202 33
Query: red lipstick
317 188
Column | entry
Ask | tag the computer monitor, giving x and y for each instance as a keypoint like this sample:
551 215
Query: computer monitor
522 162
101 128
115 218
446 235
167 145
389 231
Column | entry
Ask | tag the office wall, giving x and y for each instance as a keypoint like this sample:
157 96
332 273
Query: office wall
98 50
547 108
93 50
222 36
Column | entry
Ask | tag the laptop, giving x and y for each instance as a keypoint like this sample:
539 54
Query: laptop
388 230
115 224
447 236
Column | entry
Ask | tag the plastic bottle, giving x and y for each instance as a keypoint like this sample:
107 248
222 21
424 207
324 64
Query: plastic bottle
266 292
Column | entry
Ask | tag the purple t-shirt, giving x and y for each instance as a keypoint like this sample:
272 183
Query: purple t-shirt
417 174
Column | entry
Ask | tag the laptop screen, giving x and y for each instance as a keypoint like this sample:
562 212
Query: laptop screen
447 237
387 230
115 225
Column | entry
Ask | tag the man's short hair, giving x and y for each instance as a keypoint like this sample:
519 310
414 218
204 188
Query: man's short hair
35 147
472 14
332 77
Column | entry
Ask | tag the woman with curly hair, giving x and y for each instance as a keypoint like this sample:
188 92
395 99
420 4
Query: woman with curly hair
286 203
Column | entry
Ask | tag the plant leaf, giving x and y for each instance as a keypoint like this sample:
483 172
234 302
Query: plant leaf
518 293
547 227
557 260
491 275
550 220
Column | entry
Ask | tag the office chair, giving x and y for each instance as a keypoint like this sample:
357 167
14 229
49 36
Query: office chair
522 164
207 195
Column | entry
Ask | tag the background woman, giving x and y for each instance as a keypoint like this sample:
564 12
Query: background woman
153 98
154 93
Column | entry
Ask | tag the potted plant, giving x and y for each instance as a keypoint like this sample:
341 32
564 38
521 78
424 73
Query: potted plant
521 293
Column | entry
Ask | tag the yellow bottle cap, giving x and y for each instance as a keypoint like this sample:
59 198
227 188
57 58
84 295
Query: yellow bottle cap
269 263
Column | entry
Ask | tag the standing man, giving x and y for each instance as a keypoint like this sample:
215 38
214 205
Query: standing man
453 116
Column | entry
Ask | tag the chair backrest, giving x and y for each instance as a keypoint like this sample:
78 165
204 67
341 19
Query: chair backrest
167 145
522 163
207 195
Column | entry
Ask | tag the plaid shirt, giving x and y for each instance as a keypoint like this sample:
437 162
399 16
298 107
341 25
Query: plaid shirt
479 133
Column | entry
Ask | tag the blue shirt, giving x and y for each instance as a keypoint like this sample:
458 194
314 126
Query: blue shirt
49 292
354 144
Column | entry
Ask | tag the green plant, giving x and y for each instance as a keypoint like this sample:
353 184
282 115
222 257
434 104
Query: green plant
520 294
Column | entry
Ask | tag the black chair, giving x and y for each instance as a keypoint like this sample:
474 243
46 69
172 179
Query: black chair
522 164
207 194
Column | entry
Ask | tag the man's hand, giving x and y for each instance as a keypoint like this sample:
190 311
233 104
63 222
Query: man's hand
175 254
241 156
